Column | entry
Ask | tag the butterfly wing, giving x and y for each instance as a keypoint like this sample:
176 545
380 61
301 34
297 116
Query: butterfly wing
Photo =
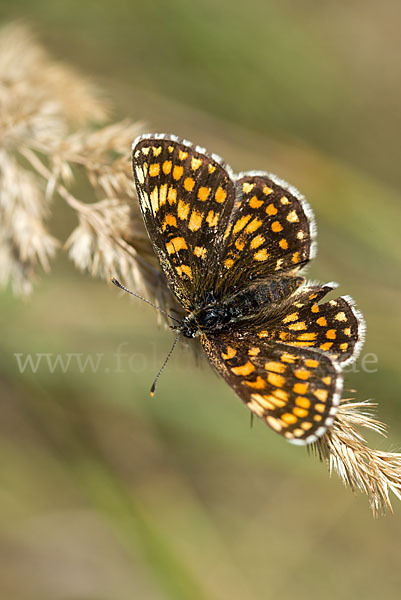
296 391
270 232
335 326
186 198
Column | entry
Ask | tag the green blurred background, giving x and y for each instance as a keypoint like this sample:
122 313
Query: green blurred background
106 494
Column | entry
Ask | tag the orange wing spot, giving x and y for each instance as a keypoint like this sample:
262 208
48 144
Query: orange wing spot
295 257
176 244
302 402
255 203
321 321
315 308
247 187
195 163
254 351
306 425
211 168
331 334
289 418
276 227
240 224
288 358
256 408
300 412
307 337
311 363
172 196
182 210
297 326
274 379
227 231
276 367
154 199
263 334
271 210
284 335
171 149
154 169
301 388
292 217
277 403
263 401
184 270
228 263
326 380
313 296
281 394
291 317
203 193
326 346
274 423
240 244
258 384
302 374
298 432
257 241
340 316
189 184
344 346
167 167
169 220
200 251
283 244
253 226
261 254
347 331
220 195
321 395
284 200
212 218
195 220
301 344
156 150
244 370
317 418
162 194
320 407
177 172
182 155
230 353
267 190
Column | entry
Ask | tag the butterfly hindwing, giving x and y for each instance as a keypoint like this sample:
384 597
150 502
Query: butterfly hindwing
296 391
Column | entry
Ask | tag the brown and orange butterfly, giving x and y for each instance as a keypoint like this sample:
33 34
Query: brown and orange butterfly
231 248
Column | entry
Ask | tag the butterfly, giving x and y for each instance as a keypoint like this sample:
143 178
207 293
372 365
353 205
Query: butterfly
232 248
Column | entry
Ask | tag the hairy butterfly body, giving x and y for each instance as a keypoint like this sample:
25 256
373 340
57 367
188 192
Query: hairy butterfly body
231 248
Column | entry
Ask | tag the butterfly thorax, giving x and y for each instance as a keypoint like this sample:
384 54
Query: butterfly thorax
219 315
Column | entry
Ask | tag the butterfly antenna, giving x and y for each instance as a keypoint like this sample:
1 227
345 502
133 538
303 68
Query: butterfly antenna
122 287
153 388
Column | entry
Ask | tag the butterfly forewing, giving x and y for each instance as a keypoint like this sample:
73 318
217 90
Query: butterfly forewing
270 232
186 197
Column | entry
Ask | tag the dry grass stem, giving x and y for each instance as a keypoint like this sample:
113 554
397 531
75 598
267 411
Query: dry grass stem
344 449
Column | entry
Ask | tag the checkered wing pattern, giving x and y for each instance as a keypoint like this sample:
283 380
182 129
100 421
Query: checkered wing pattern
295 391
270 232
186 197
335 327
